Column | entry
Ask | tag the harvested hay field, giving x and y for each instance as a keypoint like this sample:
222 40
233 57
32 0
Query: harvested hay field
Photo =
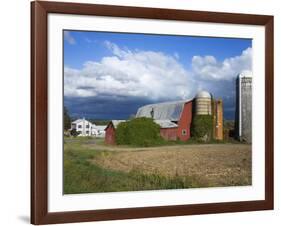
210 165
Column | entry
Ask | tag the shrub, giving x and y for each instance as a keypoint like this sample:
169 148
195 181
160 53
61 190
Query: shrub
74 133
202 127
138 132
121 132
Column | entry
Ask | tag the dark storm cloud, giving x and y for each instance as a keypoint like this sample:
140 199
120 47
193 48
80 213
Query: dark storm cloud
104 107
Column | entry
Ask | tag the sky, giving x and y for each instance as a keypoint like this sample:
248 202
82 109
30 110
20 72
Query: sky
110 75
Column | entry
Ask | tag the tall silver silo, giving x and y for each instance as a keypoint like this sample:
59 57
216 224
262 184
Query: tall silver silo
243 121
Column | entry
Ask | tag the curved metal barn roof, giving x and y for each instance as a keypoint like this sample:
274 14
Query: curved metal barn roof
163 111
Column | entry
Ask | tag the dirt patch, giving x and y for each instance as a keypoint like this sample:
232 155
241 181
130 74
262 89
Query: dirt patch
212 165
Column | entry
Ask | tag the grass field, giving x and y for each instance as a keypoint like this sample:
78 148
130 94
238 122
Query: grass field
92 166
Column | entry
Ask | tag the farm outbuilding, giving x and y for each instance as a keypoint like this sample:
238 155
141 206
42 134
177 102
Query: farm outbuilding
110 131
168 129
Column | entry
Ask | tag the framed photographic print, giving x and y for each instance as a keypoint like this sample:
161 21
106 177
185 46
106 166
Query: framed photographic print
146 112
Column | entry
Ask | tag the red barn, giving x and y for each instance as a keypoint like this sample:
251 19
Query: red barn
174 119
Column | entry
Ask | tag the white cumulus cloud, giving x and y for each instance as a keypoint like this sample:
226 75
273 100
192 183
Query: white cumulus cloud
209 68
151 75
69 38
135 73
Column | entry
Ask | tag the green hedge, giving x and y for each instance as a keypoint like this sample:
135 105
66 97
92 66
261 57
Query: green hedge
202 127
138 132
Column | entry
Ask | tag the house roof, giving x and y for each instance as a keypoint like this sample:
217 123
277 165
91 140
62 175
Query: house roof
81 120
77 121
163 111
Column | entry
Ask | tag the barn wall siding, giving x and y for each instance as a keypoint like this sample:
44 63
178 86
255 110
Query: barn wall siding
169 133
185 122
110 135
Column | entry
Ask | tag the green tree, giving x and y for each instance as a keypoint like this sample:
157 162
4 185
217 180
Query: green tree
66 119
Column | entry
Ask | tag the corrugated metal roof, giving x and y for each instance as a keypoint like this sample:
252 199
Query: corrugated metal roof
163 111
166 124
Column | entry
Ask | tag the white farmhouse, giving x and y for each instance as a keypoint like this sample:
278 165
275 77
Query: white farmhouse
86 128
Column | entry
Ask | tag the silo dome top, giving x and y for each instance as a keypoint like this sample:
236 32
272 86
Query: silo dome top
203 94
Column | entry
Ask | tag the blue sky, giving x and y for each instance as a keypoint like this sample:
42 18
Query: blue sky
109 75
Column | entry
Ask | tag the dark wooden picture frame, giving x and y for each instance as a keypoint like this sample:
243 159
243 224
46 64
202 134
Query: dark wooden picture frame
39 112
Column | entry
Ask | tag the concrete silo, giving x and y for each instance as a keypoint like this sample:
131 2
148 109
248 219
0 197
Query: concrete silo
243 119
202 120
206 105
203 103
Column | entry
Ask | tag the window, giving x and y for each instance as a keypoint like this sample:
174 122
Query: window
79 126
87 126
183 132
